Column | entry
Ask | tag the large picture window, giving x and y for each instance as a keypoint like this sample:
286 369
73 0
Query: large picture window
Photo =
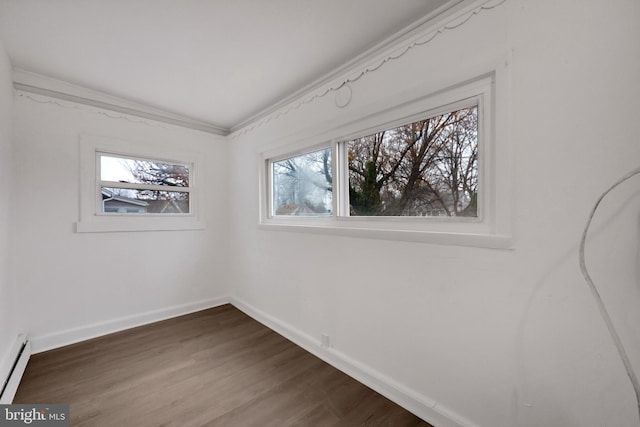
424 170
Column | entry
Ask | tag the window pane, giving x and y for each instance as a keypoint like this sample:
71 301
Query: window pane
124 200
302 185
426 168
118 169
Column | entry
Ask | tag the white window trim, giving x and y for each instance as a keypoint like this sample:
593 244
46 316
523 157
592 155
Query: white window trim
92 220
492 227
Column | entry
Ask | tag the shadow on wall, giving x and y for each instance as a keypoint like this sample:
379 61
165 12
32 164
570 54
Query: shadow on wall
621 346
611 239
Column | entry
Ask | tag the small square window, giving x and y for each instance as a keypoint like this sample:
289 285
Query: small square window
302 185
143 186
124 188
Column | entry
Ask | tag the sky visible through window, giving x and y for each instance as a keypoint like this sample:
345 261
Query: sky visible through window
116 169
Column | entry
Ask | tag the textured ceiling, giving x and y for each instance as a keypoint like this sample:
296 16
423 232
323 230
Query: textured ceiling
217 61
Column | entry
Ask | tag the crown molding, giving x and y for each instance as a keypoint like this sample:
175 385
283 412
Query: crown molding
450 16
27 81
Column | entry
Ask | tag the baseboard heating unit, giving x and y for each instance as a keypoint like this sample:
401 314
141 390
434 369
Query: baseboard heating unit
13 368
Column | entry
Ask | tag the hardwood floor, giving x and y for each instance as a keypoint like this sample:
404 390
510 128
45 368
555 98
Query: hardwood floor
217 367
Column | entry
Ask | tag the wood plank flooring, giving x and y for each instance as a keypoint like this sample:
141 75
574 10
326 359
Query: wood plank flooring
216 367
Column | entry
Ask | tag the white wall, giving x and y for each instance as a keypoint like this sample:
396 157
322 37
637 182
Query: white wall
77 285
479 337
8 321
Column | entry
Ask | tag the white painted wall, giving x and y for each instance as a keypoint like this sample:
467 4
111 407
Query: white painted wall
8 322
480 337
77 285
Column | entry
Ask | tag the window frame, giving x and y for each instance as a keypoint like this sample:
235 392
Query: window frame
139 186
92 219
487 229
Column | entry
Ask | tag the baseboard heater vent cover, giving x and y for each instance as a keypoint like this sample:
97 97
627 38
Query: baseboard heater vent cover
22 351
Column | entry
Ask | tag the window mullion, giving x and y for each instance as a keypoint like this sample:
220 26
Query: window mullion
341 184
137 186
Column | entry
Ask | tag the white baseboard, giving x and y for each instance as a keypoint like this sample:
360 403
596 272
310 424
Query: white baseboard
12 371
46 342
425 408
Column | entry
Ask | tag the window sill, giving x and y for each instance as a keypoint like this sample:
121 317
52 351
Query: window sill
115 224
470 239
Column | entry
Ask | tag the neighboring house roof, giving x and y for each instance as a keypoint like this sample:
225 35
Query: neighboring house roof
109 195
